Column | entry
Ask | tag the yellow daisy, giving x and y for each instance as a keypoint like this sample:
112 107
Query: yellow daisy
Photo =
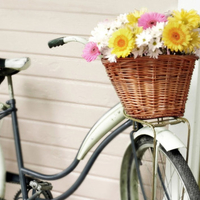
133 17
137 30
189 18
176 36
194 42
122 42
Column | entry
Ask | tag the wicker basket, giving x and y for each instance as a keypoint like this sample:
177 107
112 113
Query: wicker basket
151 88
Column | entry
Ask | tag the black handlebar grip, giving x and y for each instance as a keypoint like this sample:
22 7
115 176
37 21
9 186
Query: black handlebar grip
56 42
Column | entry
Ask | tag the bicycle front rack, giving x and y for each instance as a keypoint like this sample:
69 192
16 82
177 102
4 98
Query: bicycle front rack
158 122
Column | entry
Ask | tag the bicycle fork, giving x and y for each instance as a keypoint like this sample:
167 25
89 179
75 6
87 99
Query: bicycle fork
155 163
137 162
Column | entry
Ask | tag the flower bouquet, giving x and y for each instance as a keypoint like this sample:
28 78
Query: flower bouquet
149 58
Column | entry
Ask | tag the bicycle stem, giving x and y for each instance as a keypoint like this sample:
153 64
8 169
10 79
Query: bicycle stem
10 87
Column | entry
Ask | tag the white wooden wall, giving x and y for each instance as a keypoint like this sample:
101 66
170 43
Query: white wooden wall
193 108
60 96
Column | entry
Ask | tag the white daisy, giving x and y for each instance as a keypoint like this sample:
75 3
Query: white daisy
112 58
143 38
156 31
122 18
138 51
118 23
168 13
101 40
100 35
155 43
154 54
106 52
115 26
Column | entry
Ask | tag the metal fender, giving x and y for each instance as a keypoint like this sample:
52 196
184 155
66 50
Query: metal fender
108 121
165 137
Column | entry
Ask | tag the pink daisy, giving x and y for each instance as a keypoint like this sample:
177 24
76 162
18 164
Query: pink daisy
148 20
90 51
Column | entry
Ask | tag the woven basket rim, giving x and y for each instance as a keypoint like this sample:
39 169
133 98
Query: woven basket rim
160 57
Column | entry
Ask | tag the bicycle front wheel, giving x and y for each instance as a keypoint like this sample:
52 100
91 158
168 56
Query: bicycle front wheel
175 180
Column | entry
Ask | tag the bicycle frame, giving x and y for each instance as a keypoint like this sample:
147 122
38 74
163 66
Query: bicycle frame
112 118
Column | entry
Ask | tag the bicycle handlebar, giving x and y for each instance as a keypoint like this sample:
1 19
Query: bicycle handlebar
56 42
63 40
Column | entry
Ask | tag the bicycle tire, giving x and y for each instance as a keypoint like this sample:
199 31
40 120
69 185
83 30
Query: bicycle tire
130 189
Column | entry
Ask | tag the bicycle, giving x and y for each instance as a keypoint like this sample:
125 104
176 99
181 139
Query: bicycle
149 153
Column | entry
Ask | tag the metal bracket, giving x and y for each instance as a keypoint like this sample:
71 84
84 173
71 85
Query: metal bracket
40 186
4 106
159 122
